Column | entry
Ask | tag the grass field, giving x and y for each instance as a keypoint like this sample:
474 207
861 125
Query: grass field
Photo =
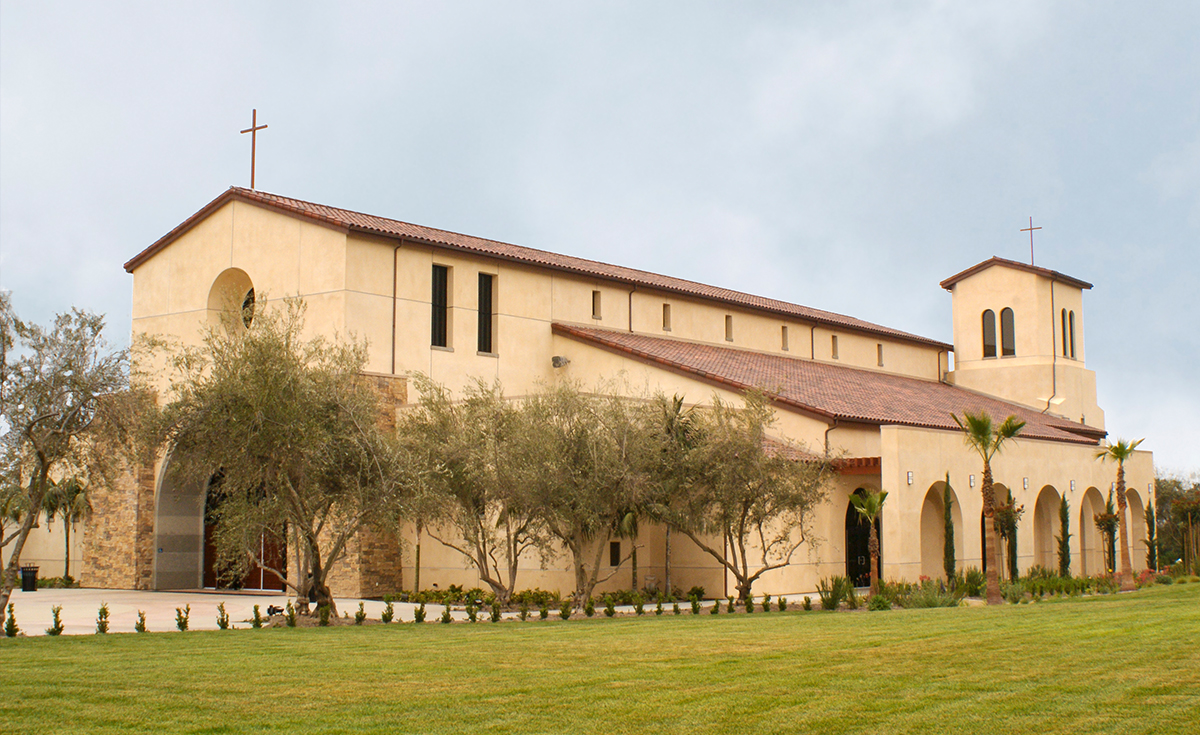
1128 664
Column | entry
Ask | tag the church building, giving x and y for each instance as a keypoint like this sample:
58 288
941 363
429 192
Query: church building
457 307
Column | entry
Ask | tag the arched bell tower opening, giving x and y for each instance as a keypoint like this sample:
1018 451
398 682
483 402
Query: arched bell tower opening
231 300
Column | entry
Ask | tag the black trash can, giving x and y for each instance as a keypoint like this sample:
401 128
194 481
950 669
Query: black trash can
29 579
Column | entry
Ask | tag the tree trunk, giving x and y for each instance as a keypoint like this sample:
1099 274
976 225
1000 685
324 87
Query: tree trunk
14 561
873 550
633 560
417 562
667 563
989 535
1126 564
67 549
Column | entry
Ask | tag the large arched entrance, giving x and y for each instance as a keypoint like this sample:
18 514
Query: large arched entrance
185 555
1045 526
858 541
933 531
1091 551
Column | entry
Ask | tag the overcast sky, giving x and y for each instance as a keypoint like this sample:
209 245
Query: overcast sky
846 156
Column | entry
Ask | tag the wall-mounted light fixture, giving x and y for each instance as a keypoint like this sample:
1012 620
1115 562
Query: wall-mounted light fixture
559 361
1113 487
1072 486
972 481
910 477
1025 483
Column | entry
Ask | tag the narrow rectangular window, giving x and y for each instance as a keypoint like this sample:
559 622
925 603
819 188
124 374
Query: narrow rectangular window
485 312
595 304
833 352
1072 325
440 299
666 317
1064 334
783 338
879 353
614 554
728 327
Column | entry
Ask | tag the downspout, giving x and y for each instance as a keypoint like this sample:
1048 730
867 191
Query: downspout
831 428
1054 352
395 272
942 373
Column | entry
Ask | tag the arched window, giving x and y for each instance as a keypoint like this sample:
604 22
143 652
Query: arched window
1064 333
989 333
1071 316
1008 341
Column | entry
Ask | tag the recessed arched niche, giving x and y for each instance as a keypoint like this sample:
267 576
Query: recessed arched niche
231 300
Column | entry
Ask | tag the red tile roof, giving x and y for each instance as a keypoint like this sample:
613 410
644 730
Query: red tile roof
830 392
348 221
1046 272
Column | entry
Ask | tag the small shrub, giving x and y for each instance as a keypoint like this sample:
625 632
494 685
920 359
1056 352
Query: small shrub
832 591
879 602
697 592
930 594
140 625
389 613
101 618
695 605
1164 579
536 597
56 627
852 599
323 616
472 612
766 603
445 619
544 612
609 609
10 623
360 615
589 608
256 620
749 603
565 611
419 613
675 608
182 614
639 606
974 581
222 617
658 608
523 611
495 614
730 608
807 602
716 608
781 605
289 615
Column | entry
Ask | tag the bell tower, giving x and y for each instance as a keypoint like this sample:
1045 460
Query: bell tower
1018 335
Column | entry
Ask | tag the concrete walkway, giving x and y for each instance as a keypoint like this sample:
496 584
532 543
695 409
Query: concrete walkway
79 608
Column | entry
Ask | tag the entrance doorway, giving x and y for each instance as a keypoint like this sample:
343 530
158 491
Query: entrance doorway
858 545
271 549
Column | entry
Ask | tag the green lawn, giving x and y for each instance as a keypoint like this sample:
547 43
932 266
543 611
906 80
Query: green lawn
1128 663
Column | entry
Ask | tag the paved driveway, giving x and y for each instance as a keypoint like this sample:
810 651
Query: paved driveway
79 608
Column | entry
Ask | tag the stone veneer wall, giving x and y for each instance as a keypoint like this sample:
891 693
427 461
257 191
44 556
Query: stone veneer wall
118 540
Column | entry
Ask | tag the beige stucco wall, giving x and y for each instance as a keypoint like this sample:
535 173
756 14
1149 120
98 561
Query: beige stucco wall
45 547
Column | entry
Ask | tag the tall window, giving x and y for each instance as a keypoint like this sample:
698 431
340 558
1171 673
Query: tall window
595 304
1071 320
728 327
1064 334
1008 340
486 311
783 338
833 351
989 333
879 353
666 317
440 309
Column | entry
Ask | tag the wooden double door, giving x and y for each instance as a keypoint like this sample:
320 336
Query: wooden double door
271 549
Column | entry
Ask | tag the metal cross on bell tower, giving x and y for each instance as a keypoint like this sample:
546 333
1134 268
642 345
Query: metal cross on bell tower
253 130
1028 229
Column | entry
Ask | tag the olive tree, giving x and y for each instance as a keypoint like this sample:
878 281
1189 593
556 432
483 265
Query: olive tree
748 499
284 433
53 382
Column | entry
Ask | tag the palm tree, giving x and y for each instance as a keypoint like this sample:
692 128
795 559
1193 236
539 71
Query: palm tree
984 437
1120 452
869 506
68 500
627 527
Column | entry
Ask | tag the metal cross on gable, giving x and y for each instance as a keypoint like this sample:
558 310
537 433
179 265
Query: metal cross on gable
1028 229
253 130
